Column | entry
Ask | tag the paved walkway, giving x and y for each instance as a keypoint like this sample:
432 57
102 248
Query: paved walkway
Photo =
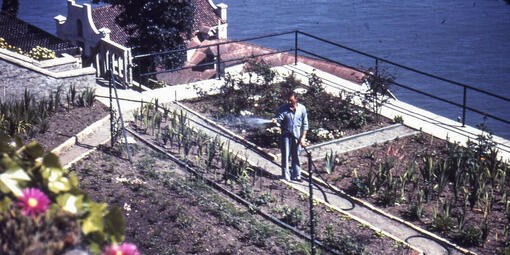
358 141
413 117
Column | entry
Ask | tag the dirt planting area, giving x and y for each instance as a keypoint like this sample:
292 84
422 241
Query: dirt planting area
459 193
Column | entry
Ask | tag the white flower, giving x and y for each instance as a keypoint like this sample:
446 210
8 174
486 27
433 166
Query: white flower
121 179
246 113
255 97
322 133
127 207
300 91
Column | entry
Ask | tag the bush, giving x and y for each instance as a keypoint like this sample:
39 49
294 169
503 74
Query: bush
42 207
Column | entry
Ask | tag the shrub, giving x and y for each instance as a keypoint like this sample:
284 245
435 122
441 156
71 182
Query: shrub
52 213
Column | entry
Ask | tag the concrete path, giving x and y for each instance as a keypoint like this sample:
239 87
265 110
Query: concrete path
358 141
77 147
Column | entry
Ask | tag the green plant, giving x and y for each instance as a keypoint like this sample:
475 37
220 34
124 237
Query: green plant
342 241
28 165
470 236
415 209
331 161
291 216
378 93
398 119
71 95
443 222
88 95
262 70
264 199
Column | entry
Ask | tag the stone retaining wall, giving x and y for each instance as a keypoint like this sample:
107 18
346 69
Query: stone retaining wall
17 75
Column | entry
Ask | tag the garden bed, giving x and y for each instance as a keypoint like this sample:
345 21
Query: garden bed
167 213
383 175
271 196
68 122
50 120
242 106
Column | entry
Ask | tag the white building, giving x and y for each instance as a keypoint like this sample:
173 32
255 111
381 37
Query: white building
101 38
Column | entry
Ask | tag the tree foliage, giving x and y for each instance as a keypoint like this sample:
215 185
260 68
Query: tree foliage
155 26
10 7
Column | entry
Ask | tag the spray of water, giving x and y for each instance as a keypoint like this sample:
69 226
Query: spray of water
252 122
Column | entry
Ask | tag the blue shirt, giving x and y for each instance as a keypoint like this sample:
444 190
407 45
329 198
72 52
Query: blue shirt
292 122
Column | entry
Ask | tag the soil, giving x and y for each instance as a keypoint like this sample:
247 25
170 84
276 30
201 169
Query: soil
68 122
404 151
272 196
167 213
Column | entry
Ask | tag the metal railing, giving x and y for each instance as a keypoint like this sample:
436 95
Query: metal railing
377 62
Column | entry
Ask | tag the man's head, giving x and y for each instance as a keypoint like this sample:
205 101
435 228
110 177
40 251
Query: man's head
291 97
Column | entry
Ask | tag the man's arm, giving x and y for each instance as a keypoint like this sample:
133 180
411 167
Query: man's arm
302 139
277 120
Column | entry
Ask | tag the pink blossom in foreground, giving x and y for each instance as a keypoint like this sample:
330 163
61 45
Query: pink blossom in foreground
33 201
124 249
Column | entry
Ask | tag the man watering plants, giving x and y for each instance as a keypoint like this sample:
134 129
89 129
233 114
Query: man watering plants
293 120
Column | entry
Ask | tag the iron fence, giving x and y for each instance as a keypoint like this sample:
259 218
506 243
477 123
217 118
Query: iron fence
377 62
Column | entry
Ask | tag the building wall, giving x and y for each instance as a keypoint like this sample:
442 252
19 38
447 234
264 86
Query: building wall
78 27
14 79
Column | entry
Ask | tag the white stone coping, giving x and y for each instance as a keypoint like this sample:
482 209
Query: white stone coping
65 59
31 64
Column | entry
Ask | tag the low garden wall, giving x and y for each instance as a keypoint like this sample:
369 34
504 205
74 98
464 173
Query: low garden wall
41 78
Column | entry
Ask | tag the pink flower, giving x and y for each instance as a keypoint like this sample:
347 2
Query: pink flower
124 249
33 201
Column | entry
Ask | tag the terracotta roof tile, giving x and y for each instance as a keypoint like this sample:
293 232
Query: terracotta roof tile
104 16
205 15
26 36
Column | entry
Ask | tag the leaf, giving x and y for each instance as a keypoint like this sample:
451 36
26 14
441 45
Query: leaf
94 221
10 181
55 179
70 203
5 144
52 211
74 179
51 160
34 150
95 248
114 224
4 204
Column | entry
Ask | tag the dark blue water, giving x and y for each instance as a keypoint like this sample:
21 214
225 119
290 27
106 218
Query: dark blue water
466 41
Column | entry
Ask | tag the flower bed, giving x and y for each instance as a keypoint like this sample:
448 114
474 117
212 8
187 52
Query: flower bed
330 116
37 53
52 120
459 193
